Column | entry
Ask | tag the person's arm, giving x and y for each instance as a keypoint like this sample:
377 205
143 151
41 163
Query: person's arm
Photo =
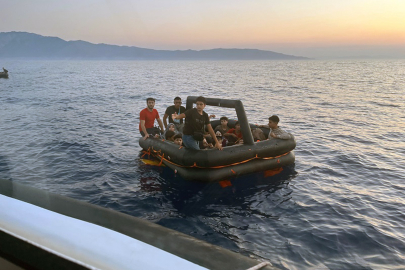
212 133
144 129
283 135
160 124
165 119
230 133
178 116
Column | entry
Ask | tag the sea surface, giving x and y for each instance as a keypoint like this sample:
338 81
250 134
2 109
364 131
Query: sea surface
71 127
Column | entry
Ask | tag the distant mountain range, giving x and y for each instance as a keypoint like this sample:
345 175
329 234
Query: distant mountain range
33 46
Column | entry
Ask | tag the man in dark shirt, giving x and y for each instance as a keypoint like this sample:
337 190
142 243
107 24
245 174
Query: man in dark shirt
193 130
176 108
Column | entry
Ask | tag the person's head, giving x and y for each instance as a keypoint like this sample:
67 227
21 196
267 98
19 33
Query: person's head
205 143
218 134
273 121
171 127
237 126
150 102
200 103
178 139
224 121
177 102
170 135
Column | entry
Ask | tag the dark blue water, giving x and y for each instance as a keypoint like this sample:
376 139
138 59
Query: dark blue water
71 127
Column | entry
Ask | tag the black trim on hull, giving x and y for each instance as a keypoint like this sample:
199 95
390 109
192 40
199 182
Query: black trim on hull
182 245
29 256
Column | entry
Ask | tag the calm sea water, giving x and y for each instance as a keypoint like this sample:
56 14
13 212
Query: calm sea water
71 127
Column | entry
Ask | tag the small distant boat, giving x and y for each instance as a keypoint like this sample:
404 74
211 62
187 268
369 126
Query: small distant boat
4 73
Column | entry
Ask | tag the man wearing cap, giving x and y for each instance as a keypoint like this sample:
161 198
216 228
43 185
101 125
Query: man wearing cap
147 117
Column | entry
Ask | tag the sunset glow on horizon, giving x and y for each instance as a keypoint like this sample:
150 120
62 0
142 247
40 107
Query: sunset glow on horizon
270 25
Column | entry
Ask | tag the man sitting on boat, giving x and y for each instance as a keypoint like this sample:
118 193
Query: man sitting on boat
195 119
223 127
147 120
234 135
5 70
274 133
178 139
169 127
169 135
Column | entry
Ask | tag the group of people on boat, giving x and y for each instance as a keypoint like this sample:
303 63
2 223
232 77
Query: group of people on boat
192 128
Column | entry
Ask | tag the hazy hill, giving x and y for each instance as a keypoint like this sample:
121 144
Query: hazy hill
29 45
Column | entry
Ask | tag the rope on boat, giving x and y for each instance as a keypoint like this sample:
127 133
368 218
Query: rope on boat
146 153
157 154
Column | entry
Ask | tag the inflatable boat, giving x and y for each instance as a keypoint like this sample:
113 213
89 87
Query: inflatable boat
215 165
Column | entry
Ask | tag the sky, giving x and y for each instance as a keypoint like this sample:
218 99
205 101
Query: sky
311 28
